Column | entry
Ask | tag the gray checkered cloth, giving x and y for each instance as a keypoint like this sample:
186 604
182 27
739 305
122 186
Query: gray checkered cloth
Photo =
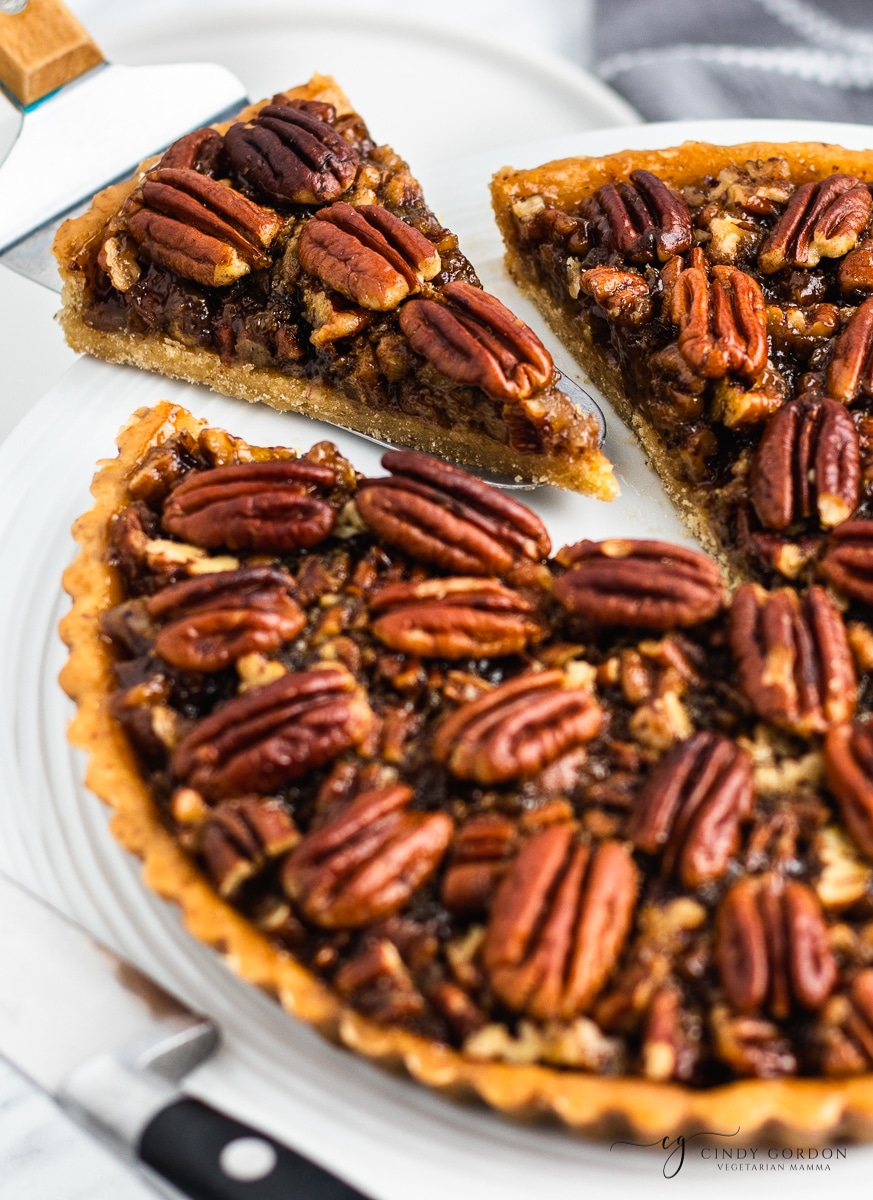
675 59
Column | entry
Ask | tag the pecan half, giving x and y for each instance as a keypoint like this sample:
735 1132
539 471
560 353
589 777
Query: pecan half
200 150
291 156
274 734
771 947
807 464
455 618
367 254
474 340
848 560
793 657
366 861
642 584
691 809
481 852
198 227
216 618
439 514
517 729
265 506
645 219
241 836
721 319
623 295
560 919
848 758
850 374
822 220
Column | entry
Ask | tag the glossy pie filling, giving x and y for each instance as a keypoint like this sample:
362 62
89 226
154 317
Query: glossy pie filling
582 809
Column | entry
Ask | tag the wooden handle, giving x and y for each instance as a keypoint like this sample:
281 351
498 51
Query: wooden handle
42 48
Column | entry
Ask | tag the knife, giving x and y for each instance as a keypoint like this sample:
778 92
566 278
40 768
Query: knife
84 123
111 1046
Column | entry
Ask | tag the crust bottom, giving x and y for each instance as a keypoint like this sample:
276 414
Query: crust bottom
794 1111
592 475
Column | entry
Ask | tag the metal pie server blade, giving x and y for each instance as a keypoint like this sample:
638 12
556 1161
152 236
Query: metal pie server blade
89 132
111 1046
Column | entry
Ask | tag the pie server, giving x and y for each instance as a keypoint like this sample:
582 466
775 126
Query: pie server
111 1047
84 123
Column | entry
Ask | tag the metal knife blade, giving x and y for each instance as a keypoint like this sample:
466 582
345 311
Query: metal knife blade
111 1046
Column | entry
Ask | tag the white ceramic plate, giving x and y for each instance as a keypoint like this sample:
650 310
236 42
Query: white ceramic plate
391 1137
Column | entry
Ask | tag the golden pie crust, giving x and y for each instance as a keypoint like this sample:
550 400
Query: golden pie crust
589 471
792 1111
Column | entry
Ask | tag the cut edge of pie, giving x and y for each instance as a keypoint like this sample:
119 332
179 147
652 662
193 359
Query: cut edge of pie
775 1111
564 183
590 472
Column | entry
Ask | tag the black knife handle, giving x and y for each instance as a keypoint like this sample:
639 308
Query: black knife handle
198 1150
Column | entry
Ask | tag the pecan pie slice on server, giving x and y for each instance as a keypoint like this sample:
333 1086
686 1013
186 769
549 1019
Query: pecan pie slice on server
722 299
580 832
287 258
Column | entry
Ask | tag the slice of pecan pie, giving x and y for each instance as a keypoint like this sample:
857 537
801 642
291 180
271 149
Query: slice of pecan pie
287 258
722 298
580 832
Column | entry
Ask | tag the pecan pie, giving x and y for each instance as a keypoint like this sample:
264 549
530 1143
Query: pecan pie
580 832
722 298
287 258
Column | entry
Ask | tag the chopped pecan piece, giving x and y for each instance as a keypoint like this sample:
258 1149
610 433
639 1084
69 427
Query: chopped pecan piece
623 295
848 560
199 228
439 514
263 506
475 340
377 982
850 374
771 947
215 619
560 919
721 319
642 584
822 220
517 729
274 733
291 156
808 463
793 658
480 854
667 1052
752 1045
241 836
691 809
645 219
366 861
848 757
367 254
848 1028
855 272
455 618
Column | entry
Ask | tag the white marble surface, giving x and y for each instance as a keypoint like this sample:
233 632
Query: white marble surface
42 1155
